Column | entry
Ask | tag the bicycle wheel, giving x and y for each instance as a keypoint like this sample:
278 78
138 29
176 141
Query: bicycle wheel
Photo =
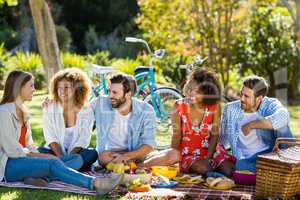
165 98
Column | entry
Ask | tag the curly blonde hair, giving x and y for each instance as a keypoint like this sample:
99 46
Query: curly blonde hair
79 80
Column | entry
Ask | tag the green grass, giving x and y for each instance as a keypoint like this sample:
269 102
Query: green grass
36 125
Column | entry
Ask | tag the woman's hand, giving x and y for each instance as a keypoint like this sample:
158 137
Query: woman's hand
46 102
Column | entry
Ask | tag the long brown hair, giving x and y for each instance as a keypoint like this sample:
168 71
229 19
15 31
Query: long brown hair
13 85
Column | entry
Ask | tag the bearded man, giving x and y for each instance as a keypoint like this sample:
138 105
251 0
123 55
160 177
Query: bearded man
125 126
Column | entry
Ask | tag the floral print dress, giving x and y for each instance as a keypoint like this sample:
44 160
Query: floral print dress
195 139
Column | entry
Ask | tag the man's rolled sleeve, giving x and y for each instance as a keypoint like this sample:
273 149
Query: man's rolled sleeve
279 119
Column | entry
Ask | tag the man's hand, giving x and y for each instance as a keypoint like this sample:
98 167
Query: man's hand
124 158
76 150
246 128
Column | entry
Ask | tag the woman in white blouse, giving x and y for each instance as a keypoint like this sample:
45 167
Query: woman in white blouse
67 120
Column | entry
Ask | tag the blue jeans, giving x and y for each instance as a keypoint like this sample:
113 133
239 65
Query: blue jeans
17 169
73 161
269 138
88 155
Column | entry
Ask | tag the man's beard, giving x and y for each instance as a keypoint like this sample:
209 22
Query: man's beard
118 102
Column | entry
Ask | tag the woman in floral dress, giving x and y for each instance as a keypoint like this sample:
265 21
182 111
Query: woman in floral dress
196 122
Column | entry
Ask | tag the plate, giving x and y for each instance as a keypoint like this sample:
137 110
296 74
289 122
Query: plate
165 185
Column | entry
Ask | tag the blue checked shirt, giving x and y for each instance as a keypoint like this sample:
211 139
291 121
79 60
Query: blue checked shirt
270 109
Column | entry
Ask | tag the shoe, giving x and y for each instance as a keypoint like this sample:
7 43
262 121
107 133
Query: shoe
107 184
39 182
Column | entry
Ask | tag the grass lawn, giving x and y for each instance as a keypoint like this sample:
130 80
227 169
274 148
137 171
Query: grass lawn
36 125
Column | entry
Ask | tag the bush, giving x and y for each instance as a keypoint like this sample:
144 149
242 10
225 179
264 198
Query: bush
72 60
10 37
100 58
64 38
126 65
91 40
30 62
3 59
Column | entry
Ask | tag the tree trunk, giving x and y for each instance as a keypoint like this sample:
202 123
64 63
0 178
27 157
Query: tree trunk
46 37
297 20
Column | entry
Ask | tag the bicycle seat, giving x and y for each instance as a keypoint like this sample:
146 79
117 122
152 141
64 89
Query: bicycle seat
141 69
101 69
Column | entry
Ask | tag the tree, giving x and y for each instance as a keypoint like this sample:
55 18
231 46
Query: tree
190 27
105 16
46 37
45 33
267 46
293 7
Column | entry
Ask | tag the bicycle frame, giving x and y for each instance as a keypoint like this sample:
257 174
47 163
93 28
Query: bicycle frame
102 86
148 78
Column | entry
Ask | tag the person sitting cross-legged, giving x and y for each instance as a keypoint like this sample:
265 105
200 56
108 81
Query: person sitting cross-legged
68 120
125 126
196 120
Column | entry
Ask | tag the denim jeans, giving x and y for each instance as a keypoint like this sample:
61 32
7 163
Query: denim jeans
17 169
269 137
88 155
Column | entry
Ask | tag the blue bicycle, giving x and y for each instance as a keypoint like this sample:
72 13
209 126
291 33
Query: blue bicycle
161 98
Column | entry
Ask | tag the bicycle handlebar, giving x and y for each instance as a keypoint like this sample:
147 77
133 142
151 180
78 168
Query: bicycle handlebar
132 39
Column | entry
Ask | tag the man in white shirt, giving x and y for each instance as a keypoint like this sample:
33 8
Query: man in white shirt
251 125
125 125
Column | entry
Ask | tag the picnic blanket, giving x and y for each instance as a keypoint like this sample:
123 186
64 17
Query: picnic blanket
178 192
196 192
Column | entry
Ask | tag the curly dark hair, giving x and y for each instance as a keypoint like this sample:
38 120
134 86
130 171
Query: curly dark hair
208 84
80 82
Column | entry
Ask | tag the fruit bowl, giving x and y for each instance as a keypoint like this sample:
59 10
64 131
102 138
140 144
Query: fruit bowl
244 177
128 178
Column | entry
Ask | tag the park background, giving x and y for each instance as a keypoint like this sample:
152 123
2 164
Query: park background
238 37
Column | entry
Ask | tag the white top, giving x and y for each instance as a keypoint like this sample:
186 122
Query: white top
118 134
69 136
54 127
252 143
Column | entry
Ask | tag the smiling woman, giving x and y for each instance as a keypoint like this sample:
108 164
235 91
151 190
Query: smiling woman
68 120
19 159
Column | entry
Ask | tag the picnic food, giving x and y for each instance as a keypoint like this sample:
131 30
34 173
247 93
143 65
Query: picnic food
121 168
159 179
118 168
187 179
169 172
130 171
139 186
220 183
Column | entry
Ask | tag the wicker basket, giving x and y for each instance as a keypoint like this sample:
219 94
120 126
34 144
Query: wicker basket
278 173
